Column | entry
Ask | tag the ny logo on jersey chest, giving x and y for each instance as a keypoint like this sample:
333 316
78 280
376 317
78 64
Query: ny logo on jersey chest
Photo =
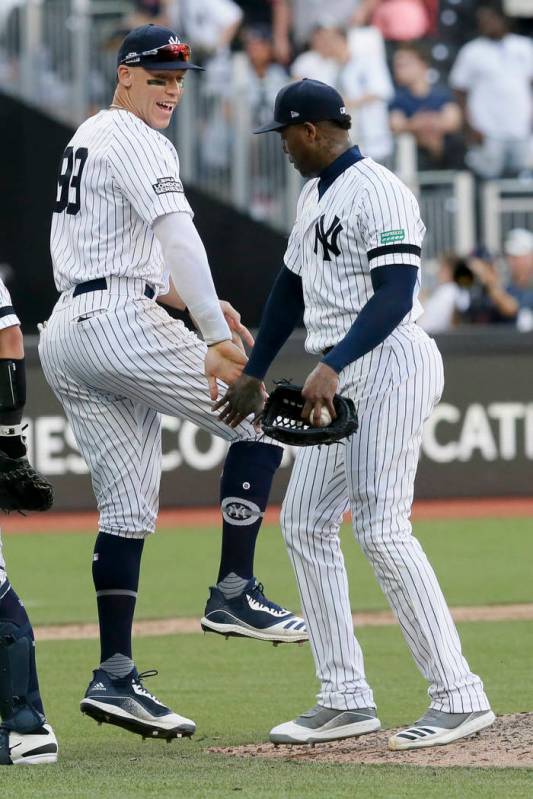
328 238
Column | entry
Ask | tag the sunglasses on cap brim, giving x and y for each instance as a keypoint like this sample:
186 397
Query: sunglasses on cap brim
179 53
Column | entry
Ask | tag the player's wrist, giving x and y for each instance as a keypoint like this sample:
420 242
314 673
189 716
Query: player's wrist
337 368
210 320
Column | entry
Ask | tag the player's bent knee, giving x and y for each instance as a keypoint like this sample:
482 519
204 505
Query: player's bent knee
16 707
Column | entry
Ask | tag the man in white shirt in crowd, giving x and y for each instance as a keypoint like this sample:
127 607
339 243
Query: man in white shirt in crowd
492 78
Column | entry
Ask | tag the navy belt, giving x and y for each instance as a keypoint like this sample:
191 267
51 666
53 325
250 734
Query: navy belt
100 284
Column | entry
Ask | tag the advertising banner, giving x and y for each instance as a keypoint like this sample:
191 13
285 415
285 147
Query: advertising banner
478 442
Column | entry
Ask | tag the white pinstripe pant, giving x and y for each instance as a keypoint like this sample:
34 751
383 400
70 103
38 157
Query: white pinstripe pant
116 360
395 388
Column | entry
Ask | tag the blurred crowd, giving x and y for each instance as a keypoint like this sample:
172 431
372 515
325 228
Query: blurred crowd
456 75
453 73
483 288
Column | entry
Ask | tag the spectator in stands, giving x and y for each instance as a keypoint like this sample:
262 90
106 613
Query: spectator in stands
442 307
364 83
487 302
275 14
518 249
492 77
398 20
426 111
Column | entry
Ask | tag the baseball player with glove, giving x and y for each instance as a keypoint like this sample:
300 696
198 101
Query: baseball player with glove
122 237
25 735
352 267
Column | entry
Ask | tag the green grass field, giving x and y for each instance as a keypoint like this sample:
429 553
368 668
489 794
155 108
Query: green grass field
237 690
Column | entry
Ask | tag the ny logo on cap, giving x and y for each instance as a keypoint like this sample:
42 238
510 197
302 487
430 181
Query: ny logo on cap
328 238
174 40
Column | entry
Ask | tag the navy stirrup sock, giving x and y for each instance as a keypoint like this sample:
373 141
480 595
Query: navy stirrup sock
244 490
116 567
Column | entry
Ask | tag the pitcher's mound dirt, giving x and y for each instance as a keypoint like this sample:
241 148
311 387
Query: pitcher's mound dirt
507 744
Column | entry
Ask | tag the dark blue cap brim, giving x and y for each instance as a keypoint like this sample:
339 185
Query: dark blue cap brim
152 66
272 126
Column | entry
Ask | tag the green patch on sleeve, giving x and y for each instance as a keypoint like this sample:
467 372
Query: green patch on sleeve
392 236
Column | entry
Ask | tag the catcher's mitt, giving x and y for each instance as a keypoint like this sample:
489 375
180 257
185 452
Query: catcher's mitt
282 418
21 487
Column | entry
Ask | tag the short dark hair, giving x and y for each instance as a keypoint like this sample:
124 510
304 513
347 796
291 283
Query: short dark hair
496 6
418 49
343 124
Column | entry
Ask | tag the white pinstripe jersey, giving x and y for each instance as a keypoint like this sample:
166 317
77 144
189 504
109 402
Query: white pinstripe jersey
366 218
117 177
8 317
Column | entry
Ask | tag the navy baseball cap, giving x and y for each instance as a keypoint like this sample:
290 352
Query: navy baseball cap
305 101
154 47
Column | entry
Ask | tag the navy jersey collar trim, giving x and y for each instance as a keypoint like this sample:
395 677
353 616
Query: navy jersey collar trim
337 167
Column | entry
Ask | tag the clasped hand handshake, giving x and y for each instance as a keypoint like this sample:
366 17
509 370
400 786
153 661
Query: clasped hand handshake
247 395
226 360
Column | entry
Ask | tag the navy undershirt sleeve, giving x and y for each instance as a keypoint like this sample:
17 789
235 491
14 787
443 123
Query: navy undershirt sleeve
392 299
283 311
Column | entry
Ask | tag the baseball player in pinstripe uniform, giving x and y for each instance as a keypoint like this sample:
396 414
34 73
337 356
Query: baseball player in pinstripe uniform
122 236
352 267
25 735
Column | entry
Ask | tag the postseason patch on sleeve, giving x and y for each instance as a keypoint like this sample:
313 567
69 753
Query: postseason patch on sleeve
168 185
392 236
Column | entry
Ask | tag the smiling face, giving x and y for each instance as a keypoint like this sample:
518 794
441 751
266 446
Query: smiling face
152 96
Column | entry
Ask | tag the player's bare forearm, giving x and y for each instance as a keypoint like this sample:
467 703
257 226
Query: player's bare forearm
247 395
318 391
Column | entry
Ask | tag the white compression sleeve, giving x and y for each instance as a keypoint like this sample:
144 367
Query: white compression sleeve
186 259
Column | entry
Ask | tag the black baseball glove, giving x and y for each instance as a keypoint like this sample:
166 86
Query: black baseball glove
21 487
282 419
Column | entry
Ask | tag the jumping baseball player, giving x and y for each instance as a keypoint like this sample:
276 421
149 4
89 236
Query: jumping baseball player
25 735
122 237
352 267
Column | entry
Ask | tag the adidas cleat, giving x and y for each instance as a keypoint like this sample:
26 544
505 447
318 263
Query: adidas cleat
437 728
252 615
125 702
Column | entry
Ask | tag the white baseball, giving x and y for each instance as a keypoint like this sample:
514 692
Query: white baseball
325 417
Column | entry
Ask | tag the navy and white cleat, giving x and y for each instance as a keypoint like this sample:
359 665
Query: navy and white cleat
126 703
252 615
30 748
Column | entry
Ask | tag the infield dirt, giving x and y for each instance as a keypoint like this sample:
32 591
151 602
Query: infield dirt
507 744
